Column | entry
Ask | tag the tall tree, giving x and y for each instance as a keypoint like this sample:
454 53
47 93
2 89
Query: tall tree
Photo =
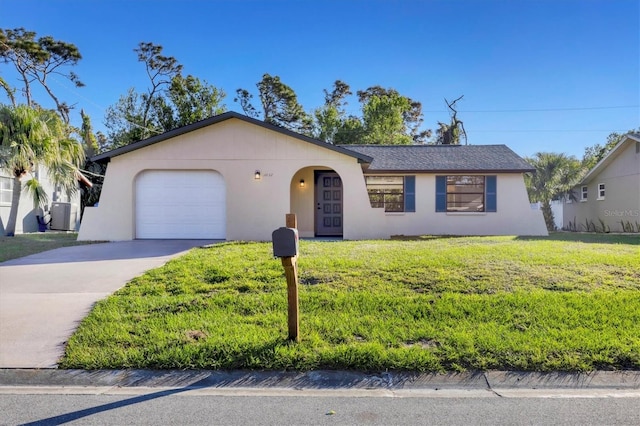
30 137
279 105
171 100
593 154
555 177
387 118
10 91
193 100
124 121
330 118
160 70
37 60
89 140
351 131
450 134
89 195
244 98
384 120
392 107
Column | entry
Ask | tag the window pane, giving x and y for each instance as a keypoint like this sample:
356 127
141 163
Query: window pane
6 190
384 180
465 188
465 202
386 192
465 180
465 193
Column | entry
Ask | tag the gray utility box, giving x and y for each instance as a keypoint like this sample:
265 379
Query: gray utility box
285 242
64 216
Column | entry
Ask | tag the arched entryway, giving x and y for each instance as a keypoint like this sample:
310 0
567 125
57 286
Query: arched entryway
317 200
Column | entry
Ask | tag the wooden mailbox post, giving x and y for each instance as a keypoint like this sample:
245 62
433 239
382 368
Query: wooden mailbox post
285 246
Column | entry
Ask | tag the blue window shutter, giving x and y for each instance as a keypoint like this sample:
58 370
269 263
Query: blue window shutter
491 198
441 193
409 193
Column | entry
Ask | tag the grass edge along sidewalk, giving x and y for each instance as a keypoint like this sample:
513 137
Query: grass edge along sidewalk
27 244
565 303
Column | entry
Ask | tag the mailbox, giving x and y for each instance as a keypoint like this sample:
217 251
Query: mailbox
285 242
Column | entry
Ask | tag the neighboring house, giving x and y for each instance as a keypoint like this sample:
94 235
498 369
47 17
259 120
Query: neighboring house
610 192
61 213
233 177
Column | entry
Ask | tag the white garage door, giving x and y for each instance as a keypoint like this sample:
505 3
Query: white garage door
176 204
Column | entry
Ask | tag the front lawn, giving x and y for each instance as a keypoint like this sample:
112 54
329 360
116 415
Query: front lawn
26 244
430 304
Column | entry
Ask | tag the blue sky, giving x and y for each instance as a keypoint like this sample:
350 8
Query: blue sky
536 75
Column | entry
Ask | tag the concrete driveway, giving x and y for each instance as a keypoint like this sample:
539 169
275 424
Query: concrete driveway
43 297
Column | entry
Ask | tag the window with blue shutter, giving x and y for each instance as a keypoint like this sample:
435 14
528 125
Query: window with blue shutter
409 193
466 194
491 198
441 193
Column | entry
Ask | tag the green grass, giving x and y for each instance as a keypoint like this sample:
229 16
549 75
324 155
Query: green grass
26 244
567 302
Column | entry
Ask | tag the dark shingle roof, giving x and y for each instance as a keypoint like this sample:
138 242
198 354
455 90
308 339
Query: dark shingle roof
442 158
381 158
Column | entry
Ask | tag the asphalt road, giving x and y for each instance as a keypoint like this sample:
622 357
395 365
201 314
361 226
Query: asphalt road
266 407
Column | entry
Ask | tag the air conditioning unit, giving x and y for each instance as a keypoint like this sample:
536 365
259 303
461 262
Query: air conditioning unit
64 216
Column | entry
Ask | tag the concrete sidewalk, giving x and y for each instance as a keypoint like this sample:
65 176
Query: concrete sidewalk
43 297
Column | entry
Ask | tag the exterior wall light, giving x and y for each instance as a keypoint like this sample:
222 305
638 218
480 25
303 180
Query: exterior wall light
257 175
301 183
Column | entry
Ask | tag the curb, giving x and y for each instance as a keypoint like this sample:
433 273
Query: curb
320 380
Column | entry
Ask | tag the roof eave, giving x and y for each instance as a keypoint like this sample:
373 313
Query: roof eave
605 160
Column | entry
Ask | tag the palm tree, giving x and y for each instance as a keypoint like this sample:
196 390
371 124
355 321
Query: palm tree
555 177
30 137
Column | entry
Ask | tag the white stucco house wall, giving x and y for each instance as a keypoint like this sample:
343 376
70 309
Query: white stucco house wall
610 192
66 209
232 177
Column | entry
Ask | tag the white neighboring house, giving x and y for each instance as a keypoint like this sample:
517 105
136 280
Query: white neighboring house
61 213
609 194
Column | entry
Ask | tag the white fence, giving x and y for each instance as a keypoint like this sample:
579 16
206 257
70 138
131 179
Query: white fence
557 207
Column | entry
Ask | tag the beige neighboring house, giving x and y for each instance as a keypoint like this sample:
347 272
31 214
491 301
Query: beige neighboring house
61 213
610 192
231 177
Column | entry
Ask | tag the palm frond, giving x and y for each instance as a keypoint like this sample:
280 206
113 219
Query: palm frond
37 192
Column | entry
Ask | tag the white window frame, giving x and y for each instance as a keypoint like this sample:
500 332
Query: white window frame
6 193
601 191
584 193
